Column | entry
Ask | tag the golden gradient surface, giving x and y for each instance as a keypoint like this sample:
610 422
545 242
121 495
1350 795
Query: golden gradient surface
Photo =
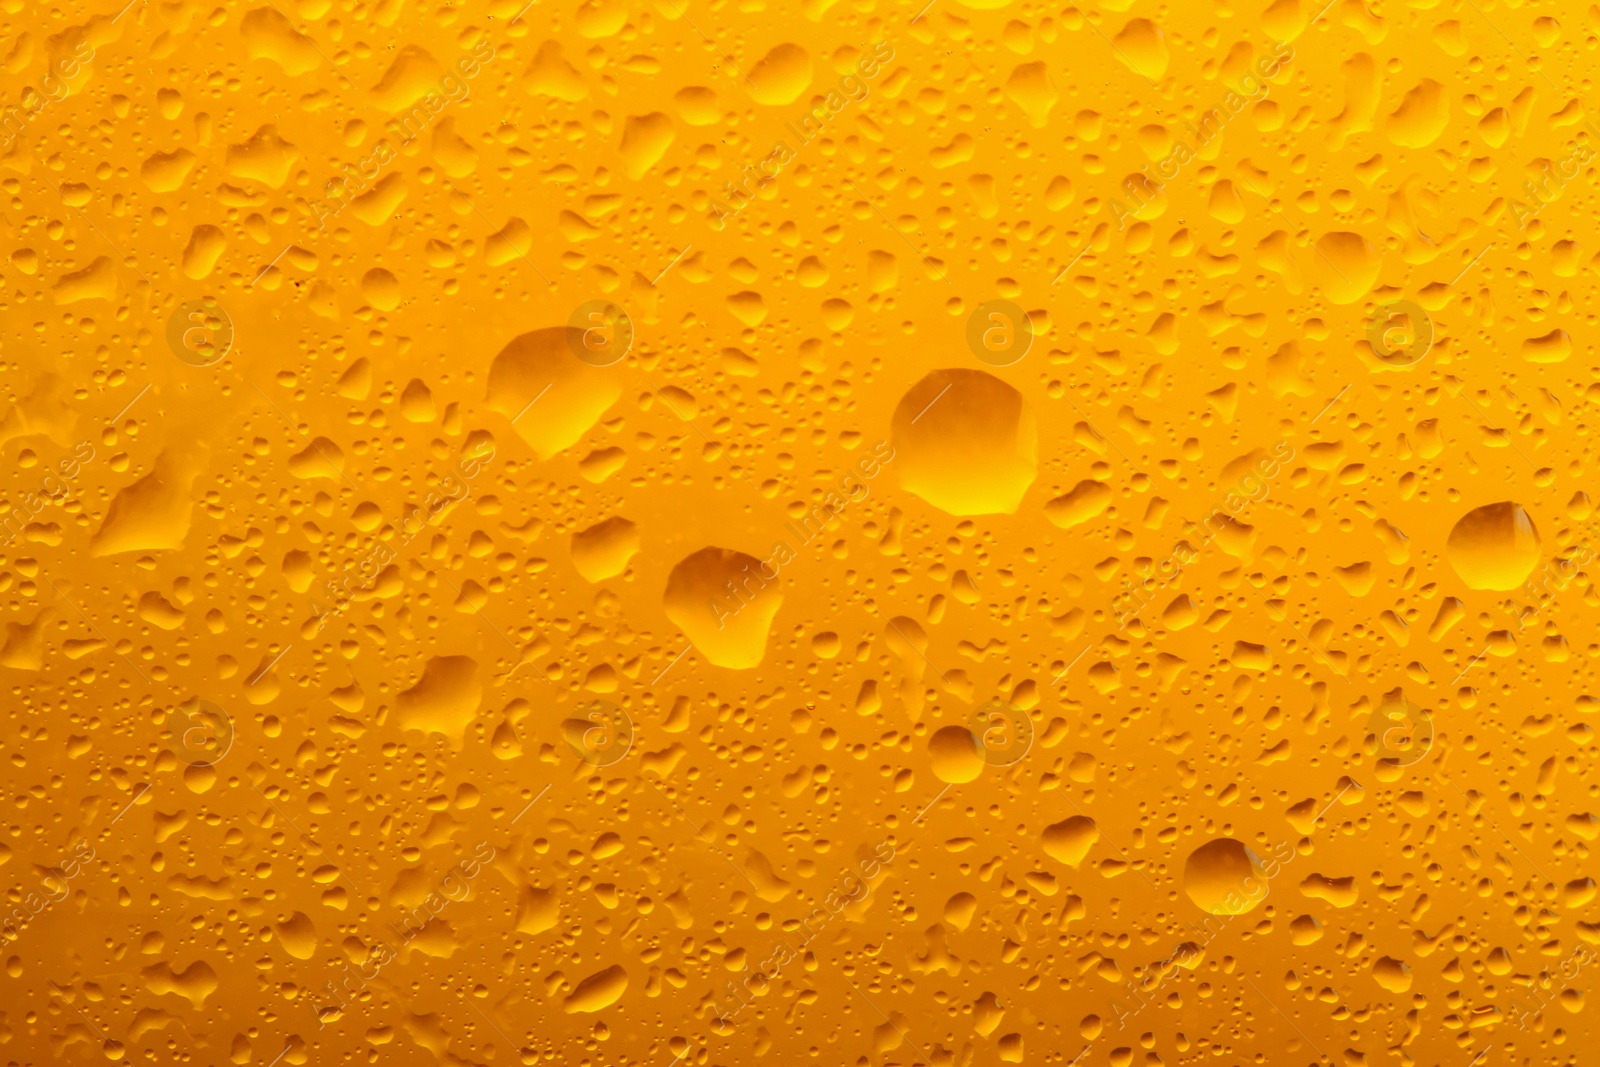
642 532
